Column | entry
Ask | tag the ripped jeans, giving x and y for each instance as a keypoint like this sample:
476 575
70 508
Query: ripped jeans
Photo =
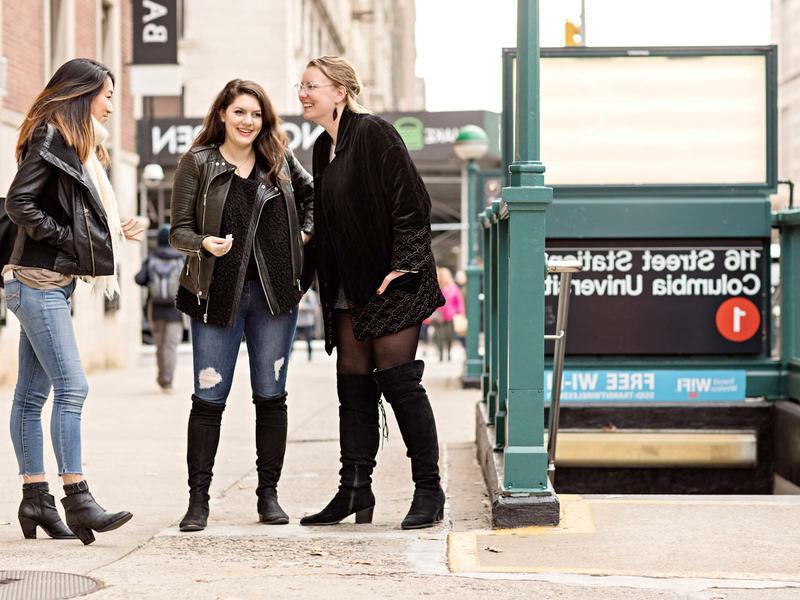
269 342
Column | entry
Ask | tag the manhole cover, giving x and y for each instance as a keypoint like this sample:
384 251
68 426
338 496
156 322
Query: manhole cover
44 585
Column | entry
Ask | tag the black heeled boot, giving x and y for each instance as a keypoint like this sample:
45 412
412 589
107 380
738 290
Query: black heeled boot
271 426
85 515
359 437
402 388
38 507
202 441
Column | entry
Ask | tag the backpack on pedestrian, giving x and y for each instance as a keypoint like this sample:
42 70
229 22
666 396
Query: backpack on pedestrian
163 279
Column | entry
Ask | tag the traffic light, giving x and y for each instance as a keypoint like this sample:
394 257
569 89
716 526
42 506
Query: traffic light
573 36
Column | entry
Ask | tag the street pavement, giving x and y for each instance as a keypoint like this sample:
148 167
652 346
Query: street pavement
606 547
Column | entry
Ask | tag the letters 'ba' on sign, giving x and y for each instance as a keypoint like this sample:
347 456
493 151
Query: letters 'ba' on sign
155 32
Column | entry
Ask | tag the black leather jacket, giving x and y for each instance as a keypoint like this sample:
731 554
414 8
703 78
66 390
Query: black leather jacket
61 223
201 186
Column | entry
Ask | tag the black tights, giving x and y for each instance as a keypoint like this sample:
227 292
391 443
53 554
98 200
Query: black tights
361 358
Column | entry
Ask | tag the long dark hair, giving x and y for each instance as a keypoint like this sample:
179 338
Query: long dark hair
271 142
66 102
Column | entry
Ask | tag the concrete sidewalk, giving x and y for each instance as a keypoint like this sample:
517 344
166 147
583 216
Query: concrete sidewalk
134 457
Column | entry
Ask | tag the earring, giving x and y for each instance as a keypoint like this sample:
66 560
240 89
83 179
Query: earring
335 113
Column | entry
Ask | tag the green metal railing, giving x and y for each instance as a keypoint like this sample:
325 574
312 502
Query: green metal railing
788 223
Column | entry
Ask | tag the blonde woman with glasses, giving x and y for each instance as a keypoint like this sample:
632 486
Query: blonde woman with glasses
378 283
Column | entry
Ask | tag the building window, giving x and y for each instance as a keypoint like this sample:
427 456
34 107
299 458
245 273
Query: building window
60 51
106 32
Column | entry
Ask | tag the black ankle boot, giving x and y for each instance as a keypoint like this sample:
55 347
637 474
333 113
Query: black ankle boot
269 511
427 508
346 502
271 425
359 438
38 507
196 517
202 441
402 388
84 514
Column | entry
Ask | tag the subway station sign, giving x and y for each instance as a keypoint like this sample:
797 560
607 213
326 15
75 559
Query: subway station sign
664 297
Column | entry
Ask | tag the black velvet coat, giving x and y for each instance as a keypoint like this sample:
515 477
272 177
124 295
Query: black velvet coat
372 216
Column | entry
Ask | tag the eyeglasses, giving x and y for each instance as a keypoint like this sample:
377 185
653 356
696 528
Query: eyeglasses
309 87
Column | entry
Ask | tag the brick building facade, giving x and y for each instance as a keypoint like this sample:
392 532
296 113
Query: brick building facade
36 37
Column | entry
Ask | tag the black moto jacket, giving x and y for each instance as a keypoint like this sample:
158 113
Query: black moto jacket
61 223
201 186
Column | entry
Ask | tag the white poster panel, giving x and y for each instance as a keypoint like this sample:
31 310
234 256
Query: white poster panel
654 120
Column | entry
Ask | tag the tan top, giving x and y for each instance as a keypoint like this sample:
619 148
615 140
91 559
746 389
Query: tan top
37 278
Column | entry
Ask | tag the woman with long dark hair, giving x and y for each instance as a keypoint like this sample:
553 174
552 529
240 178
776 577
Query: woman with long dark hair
378 283
242 210
68 228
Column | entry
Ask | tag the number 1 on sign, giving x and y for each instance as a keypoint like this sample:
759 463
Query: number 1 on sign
738 315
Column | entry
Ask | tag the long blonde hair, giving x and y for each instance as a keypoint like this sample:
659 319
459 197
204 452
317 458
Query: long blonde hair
341 72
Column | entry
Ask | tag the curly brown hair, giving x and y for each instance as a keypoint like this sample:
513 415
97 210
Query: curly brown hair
271 142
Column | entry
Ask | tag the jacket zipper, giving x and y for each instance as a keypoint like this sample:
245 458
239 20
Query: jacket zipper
208 302
199 254
255 235
89 235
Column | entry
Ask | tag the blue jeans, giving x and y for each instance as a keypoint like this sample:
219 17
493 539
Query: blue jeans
269 343
48 358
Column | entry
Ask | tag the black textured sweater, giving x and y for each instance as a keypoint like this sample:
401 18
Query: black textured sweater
229 276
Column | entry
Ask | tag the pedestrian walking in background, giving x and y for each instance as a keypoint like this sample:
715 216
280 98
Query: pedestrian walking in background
68 226
453 308
378 283
160 273
242 210
307 318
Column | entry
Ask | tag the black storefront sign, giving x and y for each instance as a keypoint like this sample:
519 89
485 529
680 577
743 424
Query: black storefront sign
664 297
428 136
155 32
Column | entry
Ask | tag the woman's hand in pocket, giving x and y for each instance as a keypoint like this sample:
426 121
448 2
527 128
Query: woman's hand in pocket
388 279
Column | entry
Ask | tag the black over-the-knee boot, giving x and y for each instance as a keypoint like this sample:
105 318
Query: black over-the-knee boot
270 449
38 507
202 441
402 388
359 437
84 514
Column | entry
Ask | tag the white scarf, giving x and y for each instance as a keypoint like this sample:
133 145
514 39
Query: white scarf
106 284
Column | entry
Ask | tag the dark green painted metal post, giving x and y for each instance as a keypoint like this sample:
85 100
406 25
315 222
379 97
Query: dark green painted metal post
507 117
474 364
493 296
487 381
788 221
527 199
502 325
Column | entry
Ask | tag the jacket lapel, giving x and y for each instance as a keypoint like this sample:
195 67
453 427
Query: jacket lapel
56 152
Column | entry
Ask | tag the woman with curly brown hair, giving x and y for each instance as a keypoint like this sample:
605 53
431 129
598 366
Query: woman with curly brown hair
242 210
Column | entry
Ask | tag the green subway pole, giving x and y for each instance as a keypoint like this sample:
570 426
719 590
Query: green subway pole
527 199
470 146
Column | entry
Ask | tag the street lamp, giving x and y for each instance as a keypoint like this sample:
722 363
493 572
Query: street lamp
152 175
470 146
